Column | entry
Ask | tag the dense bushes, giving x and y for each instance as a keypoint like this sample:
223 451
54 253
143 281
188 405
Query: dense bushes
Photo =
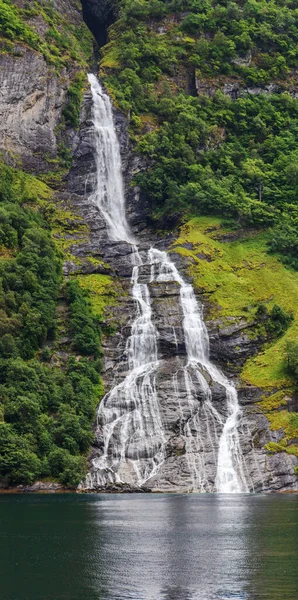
236 155
84 327
210 156
29 278
46 411
60 42
256 39
47 419
276 321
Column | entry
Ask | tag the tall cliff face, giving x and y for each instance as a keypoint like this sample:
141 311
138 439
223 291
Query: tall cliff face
37 70
35 133
31 103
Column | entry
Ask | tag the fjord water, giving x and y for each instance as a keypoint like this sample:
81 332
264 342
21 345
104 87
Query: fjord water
149 547
130 427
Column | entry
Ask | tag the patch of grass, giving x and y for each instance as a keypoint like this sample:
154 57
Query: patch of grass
104 291
274 401
110 58
5 253
238 276
274 447
283 419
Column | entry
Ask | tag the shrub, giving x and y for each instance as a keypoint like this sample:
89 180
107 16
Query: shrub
71 111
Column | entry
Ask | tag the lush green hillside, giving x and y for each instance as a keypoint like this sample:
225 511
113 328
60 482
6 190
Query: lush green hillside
48 400
49 389
209 88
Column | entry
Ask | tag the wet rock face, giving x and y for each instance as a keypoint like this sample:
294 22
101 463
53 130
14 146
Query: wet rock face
32 97
191 431
31 102
231 341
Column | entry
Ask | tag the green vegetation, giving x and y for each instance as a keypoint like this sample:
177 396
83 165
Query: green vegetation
288 422
61 43
46 410
84 327
71 112
241 280
30 278
276 321
206 152
47 420
104 292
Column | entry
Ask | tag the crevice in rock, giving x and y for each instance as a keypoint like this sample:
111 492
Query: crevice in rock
98 16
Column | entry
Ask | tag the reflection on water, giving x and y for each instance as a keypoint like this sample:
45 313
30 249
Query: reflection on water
183 547
149 547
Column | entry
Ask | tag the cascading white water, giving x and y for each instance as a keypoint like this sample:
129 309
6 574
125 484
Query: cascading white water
230 473
129 420
108 194
128 417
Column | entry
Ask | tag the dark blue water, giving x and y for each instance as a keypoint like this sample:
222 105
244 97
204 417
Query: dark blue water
149 547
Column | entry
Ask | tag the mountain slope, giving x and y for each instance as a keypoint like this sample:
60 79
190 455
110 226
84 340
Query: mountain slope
208 92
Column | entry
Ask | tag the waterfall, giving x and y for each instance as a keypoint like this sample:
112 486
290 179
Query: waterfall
230 472
129 420
128 416
108 195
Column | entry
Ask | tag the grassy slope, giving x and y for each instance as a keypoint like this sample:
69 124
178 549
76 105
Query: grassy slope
104 293
237 276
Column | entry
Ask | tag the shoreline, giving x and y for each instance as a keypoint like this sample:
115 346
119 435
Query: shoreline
56 488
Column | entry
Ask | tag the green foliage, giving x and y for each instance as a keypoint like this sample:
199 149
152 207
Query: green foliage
47 419
71 112
284 238
60 44
13 27
211 153
276 321
30 279
46 411
85 330
274 447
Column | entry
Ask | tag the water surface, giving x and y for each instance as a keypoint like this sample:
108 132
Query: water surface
149 547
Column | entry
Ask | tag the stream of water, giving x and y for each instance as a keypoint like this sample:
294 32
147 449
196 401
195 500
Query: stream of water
128 416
